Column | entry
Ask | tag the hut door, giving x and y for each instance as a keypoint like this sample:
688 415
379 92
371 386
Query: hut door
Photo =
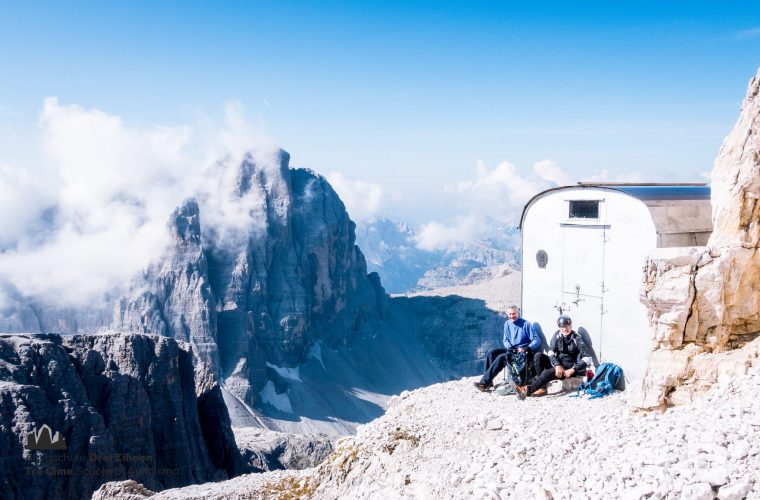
583 279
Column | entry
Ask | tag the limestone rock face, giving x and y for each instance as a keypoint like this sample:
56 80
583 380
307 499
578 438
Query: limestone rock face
263 291
456 332
175 299
735 179
263 279
707 300
124 490
269 450
126 406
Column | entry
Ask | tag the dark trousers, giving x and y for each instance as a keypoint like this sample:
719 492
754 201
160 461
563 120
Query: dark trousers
545 375
497 359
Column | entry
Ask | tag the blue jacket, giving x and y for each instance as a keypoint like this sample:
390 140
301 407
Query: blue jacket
521 334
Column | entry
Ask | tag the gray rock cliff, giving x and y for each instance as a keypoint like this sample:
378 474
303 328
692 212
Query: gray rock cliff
704 302
266 292
174 298
127 407
277 305
268 450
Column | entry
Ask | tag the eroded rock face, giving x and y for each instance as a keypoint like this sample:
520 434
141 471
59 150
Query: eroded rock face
282 289
267 450
175 297
126 406
123 490
707 300
263 292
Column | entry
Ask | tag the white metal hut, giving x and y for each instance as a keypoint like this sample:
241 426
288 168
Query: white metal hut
583 251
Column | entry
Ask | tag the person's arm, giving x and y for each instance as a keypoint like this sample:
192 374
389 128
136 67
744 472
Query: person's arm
583 353
505 337
535 340
553 351
559 370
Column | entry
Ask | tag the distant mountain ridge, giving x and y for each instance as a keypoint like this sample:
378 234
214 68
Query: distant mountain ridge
280 308
391 251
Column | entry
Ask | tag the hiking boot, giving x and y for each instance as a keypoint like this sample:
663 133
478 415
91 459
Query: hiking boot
481 386
539 392
521 391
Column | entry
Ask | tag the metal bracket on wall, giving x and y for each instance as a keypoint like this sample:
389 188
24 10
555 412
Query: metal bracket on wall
577 295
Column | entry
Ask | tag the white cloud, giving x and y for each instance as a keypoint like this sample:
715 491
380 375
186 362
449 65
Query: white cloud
501 192
503 184
550 171
362 199
438 236
607 176
495 197
23 198
95 213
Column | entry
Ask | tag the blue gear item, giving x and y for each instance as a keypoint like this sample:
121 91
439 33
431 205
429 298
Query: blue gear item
607 379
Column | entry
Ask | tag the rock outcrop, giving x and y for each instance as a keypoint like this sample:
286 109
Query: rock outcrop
461 272
175 299
268 290
127 407
456 332
707 300
265 450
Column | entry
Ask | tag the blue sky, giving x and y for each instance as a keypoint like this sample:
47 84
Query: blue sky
421 100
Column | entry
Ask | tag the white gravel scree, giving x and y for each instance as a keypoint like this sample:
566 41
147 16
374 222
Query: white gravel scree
451 441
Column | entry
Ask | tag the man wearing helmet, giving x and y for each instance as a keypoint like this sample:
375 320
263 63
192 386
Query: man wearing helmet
519 336
568 355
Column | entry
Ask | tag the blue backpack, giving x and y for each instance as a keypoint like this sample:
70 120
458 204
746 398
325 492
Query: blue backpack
607 378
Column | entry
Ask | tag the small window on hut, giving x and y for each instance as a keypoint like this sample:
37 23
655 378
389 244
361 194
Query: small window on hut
584 209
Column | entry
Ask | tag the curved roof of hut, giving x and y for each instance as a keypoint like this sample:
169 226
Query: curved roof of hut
675 208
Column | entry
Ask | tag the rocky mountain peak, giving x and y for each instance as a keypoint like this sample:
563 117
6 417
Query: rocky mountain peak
185 225
735 179
287 274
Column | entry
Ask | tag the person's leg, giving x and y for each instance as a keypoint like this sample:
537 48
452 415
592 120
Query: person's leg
498 364
491 362
540 362
492 355
543 378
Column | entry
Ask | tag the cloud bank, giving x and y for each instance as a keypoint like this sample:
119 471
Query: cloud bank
362 199
490 199
494 198
95 213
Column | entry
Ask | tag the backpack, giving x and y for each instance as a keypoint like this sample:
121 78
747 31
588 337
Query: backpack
607 378
519 367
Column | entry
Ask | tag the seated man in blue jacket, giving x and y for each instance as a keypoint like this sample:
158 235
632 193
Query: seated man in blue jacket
519 336
568 355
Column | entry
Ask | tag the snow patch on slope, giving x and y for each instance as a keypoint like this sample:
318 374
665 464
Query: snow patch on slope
285 372
280 401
